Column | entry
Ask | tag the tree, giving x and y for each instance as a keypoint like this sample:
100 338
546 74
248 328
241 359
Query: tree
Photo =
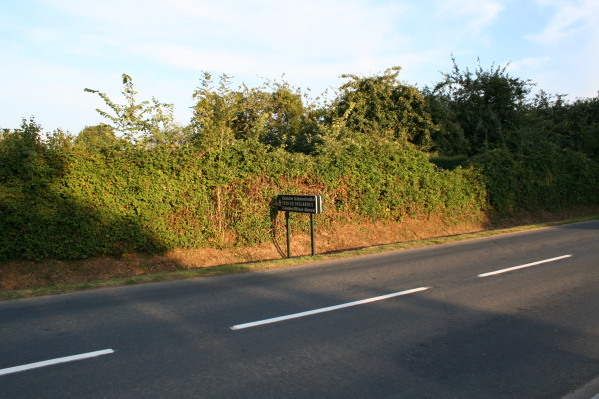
448 137
22 153
144 122
273 114
487 104
98 137
214 113
384 107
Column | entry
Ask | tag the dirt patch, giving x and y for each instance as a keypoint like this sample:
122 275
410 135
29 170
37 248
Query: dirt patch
27 274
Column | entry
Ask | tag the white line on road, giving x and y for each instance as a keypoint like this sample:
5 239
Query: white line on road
509 269
51 362
327 309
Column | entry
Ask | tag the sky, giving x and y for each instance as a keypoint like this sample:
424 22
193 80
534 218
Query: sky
51 50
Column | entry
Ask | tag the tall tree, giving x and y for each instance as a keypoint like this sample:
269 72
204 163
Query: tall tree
487 104
273 114
385 107
214 113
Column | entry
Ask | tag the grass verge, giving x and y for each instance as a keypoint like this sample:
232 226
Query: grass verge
272 264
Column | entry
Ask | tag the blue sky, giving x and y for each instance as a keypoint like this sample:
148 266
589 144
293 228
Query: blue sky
50 50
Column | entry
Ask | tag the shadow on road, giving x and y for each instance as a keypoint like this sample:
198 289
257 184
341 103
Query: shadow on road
174 340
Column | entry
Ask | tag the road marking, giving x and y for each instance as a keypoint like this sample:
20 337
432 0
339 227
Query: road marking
327 309
509 269
52 362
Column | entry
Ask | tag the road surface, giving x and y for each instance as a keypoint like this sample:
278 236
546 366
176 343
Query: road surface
512 316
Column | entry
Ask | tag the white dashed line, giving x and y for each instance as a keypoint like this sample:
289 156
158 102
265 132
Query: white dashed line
52 362
327 309
509 269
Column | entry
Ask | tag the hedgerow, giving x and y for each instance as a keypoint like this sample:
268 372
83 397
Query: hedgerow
380 151
161 198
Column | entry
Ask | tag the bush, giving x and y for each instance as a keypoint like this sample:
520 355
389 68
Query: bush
543 177
149 185
82 203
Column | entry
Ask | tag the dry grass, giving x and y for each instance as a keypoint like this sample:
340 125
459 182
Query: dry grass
22 278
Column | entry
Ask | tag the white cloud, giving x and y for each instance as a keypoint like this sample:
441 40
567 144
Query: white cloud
312 42
473 16
528 63
570 39
311 26
270 37
42 36
195 58
569 18
165 44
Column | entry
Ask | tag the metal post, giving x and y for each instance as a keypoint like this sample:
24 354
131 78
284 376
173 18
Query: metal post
312 234
288 235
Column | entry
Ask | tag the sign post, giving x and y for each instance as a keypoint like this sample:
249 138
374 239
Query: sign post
312 234
288 235
311 204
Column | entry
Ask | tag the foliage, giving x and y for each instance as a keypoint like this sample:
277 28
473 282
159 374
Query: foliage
24 157
98 138
159 198
546 178
449 162
381 179
28 170
448 137
382 150
383 107
214 114
274 115
144 122
570 125
486 105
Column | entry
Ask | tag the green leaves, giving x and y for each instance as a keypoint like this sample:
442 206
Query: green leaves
146 122
383 107
161 198
145 184
486 105
273 114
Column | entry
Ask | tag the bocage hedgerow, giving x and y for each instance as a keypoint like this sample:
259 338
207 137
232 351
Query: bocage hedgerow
381 150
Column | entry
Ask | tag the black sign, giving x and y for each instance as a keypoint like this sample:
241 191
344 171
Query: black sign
299 203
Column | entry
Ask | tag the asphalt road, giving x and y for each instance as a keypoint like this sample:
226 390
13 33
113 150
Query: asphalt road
417 323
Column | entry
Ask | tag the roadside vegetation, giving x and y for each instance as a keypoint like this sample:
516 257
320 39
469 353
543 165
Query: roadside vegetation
479 145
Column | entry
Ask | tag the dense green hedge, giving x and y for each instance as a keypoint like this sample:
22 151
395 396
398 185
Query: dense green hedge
386 180
160 198
74 203
548 178
381 150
